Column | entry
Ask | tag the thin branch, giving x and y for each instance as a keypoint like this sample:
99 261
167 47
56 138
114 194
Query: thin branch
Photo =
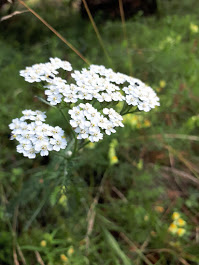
180 173
21 254
137 250
13 14
16 262
119 194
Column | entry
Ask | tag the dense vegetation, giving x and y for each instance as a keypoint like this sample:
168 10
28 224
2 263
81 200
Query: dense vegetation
131 198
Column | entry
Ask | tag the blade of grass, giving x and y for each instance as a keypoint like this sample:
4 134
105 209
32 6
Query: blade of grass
55 32
125 35
115 247
96 31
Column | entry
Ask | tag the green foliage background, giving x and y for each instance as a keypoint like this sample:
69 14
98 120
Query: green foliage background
48 206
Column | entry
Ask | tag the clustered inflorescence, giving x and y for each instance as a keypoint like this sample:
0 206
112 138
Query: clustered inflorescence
90 97
35 136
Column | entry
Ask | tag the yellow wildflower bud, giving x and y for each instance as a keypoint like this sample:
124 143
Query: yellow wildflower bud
63 258
181 231
70 251
146 218
63 200
147 123
193 28
162 83
91 145
159 209
113 160
173 228
180 222
43 243
175 216
175 244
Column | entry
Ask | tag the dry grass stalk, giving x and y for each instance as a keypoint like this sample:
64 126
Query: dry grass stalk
55 32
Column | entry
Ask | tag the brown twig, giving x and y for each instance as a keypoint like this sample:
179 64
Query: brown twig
13 14
16 262
181 173
39 259
137 250
167 250
119 194
188 213
91 213
21 254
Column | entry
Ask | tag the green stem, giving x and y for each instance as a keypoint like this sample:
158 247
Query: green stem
84 144
67 121
123 108
129 112
72 131
60 155
75 148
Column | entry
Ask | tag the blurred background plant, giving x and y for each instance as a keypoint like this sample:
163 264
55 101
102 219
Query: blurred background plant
118 205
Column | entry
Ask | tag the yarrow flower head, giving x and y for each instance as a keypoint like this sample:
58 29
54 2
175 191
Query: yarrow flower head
91 97
35 136
89 123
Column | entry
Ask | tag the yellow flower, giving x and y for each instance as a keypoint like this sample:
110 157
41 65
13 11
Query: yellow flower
159 209
181 231
112 152
43 243
146 218
173 228
175 216
63 258
147 123
180 222
175 244
162 83
70 251
113 160
193 28
91 145
63 200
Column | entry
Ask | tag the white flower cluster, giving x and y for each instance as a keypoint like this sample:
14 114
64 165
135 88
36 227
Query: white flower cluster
140 95
88 85
97 82
136 94
90 123
45 71
35 136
